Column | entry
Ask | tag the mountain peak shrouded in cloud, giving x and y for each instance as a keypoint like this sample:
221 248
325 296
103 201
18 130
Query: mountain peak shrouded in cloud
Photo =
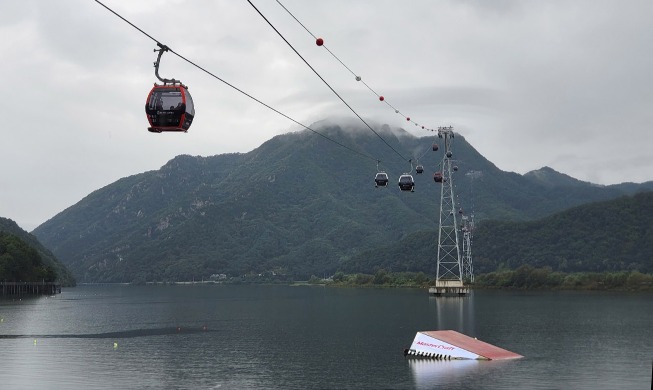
356 127
530 84
297 205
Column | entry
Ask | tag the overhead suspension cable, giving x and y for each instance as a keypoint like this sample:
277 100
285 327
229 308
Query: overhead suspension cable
320 42
325 82
236 88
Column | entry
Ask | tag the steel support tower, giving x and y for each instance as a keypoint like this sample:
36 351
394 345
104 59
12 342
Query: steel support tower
467 228
449 276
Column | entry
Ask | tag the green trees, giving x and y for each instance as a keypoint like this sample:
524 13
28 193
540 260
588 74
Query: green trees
607 236
302 204
20 262
51 268
527 277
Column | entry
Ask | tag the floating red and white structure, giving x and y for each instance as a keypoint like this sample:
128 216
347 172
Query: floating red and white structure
452 345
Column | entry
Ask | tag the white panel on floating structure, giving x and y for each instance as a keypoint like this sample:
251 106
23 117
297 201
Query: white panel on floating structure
455 345
430 345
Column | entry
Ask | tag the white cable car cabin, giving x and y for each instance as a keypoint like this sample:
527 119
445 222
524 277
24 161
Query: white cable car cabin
406 183
381 179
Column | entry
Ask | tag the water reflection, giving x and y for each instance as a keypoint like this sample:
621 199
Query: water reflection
434 373
455 313
451 313
282 337
454 374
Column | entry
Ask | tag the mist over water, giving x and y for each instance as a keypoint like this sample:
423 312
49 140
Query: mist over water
301 337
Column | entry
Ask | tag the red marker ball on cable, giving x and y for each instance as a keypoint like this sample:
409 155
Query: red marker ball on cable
319 41
381 98
408 118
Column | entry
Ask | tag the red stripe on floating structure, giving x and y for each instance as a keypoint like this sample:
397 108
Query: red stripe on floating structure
458 346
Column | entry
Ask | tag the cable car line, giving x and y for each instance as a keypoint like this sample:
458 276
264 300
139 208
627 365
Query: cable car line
127 21
320 42
325 82
233 86
270 107
357 77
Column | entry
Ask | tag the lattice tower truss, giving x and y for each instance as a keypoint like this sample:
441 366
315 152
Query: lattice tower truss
449 266
467 228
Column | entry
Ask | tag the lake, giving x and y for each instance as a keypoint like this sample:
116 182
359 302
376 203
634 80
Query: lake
308 337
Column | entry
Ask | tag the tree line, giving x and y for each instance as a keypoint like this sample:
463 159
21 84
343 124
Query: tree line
19 262
525 277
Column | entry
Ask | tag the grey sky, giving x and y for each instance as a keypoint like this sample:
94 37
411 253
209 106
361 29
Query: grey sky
566 84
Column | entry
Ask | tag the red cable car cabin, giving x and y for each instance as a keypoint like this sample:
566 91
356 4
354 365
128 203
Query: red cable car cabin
437 176
169 107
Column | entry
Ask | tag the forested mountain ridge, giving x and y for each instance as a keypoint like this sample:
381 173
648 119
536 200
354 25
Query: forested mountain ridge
297 205
614 235
23 258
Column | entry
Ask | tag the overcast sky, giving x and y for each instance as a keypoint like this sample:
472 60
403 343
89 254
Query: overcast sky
566 84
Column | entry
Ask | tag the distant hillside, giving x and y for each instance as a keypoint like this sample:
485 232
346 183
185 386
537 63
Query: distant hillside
615 235
298 205
550 178
30 261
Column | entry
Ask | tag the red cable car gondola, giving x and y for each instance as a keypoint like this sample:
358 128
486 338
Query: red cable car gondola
437 176
435 147
169 107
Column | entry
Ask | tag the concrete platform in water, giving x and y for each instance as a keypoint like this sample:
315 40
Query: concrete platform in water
452 345
449 288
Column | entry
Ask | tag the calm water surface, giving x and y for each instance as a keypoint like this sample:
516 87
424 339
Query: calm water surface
285 337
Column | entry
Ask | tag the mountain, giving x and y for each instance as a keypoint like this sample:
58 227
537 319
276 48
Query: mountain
298 205
31 251
614 235
550 178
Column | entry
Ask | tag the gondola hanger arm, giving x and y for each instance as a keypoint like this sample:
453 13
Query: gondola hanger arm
162 48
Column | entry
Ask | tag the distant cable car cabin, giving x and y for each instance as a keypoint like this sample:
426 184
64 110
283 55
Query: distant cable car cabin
437 176
406 183
419 169
435 147
455 167
449 154
169 107
381 179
